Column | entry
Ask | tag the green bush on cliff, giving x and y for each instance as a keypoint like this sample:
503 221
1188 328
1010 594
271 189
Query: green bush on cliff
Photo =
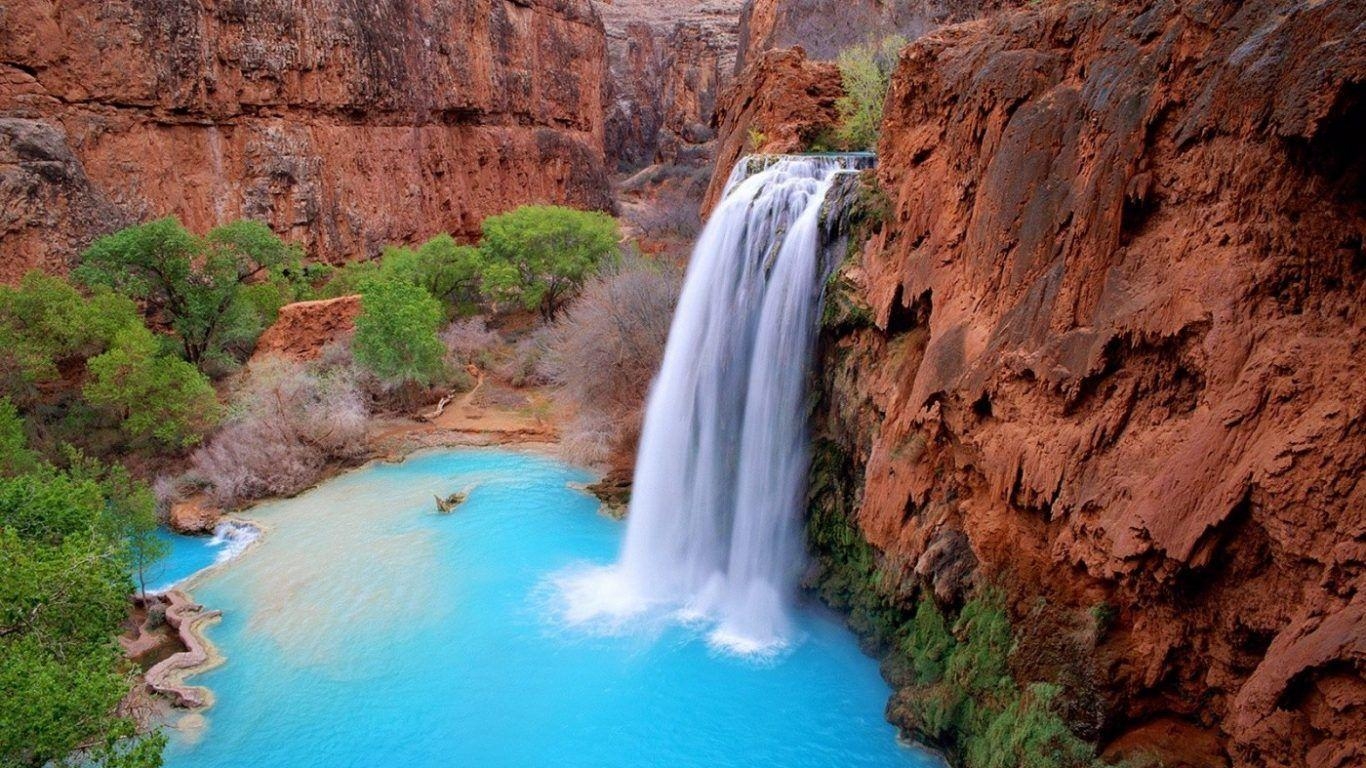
956 689
539 256
44 323
865 73
216 292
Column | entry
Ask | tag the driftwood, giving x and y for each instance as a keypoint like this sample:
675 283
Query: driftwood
440 408
444 506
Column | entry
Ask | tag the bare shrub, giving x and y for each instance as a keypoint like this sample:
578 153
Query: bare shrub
469 342
605 350
290 422
524 366
589 439
168 491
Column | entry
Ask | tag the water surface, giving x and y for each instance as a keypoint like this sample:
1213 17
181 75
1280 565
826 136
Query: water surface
366 630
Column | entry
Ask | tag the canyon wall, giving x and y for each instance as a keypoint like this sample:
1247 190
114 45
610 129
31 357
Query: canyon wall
1103 348
826 27
344 124
669 60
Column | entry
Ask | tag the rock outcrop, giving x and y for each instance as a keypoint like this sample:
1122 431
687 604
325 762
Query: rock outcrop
304 329
345 125
783 102
669 60
1106 350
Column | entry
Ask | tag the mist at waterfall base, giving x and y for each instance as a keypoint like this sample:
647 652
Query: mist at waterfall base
364 629
715 533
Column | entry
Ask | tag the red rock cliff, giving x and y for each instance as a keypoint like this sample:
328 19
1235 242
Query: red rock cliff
1115 344
344 124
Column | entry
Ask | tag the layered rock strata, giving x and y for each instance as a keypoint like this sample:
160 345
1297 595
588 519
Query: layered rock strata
345 125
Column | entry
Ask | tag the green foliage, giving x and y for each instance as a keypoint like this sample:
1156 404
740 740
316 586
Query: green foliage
539 256
157 399
15 456
448 271
396 332
63 595
865 72
44 321
757 139
1027 734
850 577
957 691
1103 614
217 292
347 279
929 644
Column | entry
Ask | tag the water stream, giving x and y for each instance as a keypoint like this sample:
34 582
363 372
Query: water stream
717 507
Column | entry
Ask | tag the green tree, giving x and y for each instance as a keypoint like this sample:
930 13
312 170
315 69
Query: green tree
200 285
396 332
539 256
15 457
156 397
63 596
865 73
45 321
448 271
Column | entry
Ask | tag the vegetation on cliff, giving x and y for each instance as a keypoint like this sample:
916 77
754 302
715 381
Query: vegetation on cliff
952 671
865 74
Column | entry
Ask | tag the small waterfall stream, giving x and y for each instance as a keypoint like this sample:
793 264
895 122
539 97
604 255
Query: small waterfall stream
715 525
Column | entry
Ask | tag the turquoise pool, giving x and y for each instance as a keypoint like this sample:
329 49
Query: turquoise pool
366 630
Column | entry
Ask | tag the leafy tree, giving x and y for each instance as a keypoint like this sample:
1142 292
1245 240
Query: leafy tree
156 397
866 73
539 256
63 596
448 271
15 457
347 279
396 332
200 285
44 321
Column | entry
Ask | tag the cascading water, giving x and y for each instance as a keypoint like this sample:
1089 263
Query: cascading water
716 510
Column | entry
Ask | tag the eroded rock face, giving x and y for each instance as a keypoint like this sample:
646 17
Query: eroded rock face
345 125
304 329
1114 341
826 27
669 61
780 104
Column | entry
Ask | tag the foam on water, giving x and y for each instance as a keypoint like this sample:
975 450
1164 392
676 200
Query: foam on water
187 556
366 630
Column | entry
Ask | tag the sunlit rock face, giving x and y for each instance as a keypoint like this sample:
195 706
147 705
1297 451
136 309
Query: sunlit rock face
1113 342
345 125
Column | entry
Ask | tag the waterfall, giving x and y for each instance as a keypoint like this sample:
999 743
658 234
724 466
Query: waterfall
715 524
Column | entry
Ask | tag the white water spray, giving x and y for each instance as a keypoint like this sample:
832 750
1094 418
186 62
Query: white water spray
715 526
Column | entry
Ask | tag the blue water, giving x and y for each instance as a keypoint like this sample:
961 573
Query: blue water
365 630
188 555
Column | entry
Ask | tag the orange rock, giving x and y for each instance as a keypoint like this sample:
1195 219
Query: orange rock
783 100
303 329
1117 343
194 515
345 126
